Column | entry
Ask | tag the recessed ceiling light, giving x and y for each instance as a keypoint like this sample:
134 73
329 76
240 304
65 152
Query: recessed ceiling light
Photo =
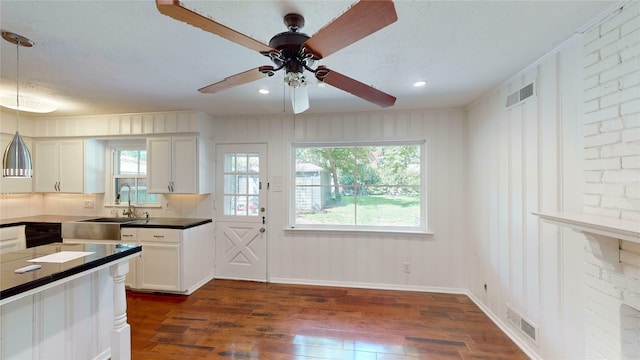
420 83
263 91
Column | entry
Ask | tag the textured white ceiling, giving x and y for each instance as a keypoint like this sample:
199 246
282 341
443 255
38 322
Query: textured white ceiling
102 57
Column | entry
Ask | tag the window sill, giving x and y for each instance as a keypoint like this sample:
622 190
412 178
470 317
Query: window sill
361 231
126 206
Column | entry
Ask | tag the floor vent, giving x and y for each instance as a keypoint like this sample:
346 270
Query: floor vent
520 95
524 325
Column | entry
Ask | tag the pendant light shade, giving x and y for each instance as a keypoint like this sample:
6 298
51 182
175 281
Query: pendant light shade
16 161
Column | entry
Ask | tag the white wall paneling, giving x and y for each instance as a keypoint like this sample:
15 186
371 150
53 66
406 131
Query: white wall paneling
518 160
374 260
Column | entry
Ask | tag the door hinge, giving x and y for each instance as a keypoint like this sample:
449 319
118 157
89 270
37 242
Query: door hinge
268 184
260 185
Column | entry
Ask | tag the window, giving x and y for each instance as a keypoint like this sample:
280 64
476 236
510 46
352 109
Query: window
241 184
130 176
359 187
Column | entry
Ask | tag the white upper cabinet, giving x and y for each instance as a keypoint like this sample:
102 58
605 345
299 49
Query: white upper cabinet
69 166
15 185
178 164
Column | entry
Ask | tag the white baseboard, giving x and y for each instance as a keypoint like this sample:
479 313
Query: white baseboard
375 286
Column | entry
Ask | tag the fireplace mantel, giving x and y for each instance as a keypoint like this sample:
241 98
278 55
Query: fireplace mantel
603 233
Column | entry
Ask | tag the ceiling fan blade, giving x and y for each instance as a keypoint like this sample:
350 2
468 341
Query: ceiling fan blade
299 99
354 87
234 80
360 20
174 9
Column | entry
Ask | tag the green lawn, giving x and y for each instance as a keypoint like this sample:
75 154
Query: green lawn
372 210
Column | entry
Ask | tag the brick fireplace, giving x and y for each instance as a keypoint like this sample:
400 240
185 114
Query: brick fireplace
611 202
612 189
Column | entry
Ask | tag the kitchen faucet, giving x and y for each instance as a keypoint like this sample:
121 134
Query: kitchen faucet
132 211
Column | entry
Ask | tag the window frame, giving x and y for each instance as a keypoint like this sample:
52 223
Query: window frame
421 228
114 147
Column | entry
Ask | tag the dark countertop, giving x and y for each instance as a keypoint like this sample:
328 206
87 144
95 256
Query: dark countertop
39 219
166 223
14 284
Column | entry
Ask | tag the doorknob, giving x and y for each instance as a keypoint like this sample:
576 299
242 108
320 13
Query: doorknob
262 209
262 229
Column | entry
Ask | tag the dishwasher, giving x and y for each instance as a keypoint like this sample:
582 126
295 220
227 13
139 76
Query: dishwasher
41 233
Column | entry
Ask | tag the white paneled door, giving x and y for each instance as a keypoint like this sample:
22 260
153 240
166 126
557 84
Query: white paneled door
241 212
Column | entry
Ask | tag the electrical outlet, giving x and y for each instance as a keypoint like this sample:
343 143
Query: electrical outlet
89 204
406 268
167 206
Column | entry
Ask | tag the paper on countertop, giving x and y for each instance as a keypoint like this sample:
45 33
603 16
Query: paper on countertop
62 256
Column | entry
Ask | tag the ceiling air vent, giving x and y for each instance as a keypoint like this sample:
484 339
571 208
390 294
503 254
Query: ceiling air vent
520 95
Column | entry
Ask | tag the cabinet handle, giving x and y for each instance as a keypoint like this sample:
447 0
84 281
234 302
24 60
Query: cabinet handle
158 236
169 186
125 235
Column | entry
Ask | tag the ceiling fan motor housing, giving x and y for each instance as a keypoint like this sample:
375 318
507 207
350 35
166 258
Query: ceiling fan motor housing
288 44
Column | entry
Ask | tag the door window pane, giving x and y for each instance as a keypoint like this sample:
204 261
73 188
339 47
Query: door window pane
241 184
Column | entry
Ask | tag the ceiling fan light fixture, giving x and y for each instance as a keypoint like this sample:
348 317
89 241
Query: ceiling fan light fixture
420 83
295 79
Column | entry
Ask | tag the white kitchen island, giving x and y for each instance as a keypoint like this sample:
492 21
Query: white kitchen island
70 310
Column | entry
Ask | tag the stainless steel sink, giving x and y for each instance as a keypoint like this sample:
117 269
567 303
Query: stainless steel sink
107 229
117 220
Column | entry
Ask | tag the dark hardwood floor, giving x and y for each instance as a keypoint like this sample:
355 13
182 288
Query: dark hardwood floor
246 320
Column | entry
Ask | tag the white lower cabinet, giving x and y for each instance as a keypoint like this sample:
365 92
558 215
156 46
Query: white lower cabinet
178 261
12 239
160 266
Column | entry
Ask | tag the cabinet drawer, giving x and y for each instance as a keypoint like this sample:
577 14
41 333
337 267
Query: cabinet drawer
128 234
11 232
160 235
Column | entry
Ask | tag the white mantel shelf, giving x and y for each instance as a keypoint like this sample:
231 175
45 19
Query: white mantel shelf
603 233
615 228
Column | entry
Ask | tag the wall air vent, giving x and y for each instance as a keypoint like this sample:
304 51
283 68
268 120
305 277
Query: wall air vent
529 329
523 325
526 92
513 99
520 95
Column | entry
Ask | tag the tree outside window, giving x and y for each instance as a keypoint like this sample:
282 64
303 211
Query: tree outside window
363 186
130 168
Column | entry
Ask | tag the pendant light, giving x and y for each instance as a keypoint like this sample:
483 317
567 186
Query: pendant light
16 161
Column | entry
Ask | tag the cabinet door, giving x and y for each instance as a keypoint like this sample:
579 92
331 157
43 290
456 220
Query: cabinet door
159 267
71 166
158 165
185 164
45 166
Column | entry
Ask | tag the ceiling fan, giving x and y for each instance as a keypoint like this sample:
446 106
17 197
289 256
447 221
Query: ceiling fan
295 52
